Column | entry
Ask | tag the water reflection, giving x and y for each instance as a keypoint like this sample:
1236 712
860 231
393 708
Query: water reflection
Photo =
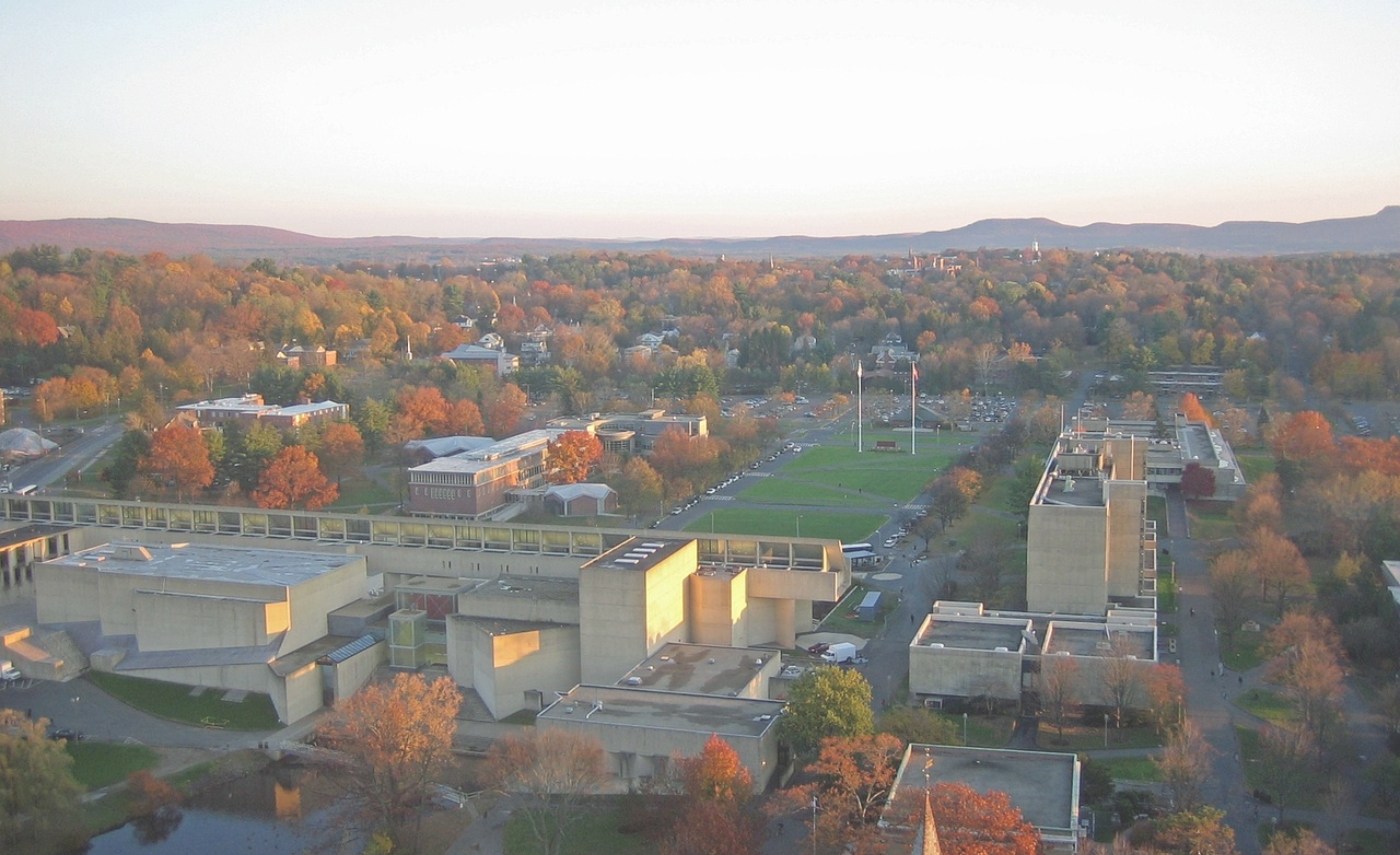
283 810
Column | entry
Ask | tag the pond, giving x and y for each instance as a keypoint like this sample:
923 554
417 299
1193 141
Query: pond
280 810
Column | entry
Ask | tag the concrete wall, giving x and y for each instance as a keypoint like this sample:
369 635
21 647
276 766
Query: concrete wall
302 693
1066 558
626 614
523 607
312 600
168 621
638 752
117 593
718 604
65 594
349 676
461 650
541 661
1125 520
962 673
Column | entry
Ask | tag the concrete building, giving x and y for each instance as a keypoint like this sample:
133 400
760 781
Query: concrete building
250 408
1088 537
1171 448
1043 785
580 500
481 480
643 729
633 433
497 361
226 617
962 651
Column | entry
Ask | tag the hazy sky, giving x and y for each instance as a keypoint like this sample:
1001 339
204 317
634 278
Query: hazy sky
659 118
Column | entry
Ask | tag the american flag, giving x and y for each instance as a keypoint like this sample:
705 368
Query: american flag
916 373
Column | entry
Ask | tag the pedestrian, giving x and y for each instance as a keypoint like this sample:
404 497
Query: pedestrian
1241 679
911 617
780 826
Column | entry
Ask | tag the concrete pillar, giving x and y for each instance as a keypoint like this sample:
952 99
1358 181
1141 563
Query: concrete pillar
783 618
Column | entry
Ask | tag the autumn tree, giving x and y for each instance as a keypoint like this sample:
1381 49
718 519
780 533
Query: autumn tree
1306 656
395 739
178 457
1122 675
854 774
1287 764
36 779
1166 695
503 410
1184 764
1197 481
1279 567
1059 678
1202 831
573 456
639 487
1191 407
155 805
826 701
718 817
1140 406
917 725
554 771
1233 587
1297 841
294 480
340 449
973 823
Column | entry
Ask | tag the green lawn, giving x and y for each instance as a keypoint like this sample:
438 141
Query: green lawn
1131 768
842 619
357 493
1255 464
1084 737
896 476
790 491
173 701
1247 653
594 832
1210 520
849 528
97 764
1157 511
1270 706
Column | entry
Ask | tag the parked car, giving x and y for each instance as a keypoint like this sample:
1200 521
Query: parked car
67 733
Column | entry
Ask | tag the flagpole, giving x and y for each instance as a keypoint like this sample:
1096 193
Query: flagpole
914 407
860 407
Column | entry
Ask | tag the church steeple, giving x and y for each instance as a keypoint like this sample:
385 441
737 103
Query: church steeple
926 842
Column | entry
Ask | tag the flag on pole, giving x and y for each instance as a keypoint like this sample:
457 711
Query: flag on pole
916 373
860 369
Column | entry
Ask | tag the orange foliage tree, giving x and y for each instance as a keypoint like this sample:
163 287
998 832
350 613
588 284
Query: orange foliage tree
554 770
717 818
973 823
573 456
396 738
293 479
341 449
1191 407
1302 437
178 457
504 411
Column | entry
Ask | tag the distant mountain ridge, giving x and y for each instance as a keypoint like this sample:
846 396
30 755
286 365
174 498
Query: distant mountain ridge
1376 233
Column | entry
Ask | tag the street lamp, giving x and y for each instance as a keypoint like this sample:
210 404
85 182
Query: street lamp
1105 730
798 521
814 825
964 730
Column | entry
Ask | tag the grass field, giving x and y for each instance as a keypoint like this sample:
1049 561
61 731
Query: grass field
1131 768
97 764
791 491
850 528
1210 520
173 701
842 619
895 476
1270 706
594 832
357 493
1254 464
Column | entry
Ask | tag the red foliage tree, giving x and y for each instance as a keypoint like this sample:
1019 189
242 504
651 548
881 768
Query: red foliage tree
1302 437
573 456
341 449
1197 482
293 479
178 457
973 823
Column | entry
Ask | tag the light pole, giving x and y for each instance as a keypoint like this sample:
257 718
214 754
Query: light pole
1105 730
798 521
964 730
814 825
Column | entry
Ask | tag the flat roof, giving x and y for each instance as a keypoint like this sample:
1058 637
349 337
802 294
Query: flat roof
246 565
1082 639
638 553
487 456
617 706
1078 492
700 668
1042 784
973 632
524 588
20 535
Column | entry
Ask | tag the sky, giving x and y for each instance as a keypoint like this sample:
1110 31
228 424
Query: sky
696 118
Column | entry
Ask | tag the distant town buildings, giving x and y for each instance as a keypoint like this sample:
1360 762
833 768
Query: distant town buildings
250 408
